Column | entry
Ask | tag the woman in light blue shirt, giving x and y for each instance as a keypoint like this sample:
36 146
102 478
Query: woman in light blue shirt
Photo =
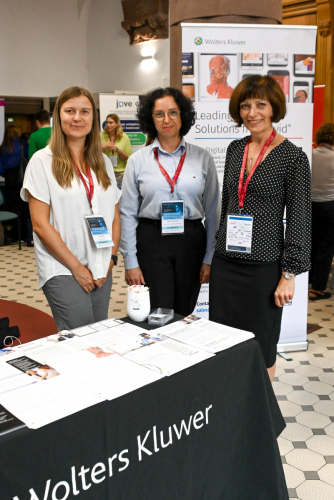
175 263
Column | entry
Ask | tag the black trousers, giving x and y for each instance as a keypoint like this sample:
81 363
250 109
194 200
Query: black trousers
322 243
171 264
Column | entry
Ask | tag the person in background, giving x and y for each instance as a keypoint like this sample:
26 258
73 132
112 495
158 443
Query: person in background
322 212
65 181
25 136
169 170
116 145
253 269
39 139
10 157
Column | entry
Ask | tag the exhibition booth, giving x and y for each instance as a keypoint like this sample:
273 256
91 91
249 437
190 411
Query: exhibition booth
113 410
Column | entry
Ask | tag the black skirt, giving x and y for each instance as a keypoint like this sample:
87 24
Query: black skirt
241 295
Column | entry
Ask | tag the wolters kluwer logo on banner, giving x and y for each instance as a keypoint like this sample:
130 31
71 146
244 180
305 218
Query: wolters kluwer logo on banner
198 40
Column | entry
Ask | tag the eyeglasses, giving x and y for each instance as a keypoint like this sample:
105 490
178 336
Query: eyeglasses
172 114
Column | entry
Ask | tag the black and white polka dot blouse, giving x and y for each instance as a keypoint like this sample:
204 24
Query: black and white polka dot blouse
282 180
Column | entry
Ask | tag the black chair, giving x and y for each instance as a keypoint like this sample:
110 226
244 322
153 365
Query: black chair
6 217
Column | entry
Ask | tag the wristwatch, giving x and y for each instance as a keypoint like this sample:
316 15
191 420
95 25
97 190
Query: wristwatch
288 276
115 259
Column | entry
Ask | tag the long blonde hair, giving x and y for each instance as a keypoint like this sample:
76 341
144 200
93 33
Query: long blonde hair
119 128
62 167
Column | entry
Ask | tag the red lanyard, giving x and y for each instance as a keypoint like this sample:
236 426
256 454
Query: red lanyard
90 190
178 170
326 146
242 189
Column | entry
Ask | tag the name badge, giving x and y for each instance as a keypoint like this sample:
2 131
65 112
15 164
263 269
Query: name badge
172 217
113 160
99 231
239 233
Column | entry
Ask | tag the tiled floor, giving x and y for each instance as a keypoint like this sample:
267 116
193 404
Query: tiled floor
304 386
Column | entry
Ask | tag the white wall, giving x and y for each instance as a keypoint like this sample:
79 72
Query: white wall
42 46
112 63
48 45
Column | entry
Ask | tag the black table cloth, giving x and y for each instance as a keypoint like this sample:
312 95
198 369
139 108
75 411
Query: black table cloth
206 433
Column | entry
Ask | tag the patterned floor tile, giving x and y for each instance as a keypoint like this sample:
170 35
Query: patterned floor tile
293 477
303 398
296 432
325 407
305 460
315 490
326 474
313 419
321 444
318 388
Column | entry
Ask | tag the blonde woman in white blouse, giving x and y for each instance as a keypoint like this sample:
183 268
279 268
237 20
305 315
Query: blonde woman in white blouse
65 181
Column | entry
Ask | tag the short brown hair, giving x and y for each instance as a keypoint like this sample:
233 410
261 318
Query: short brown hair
42 116
325 134
260 87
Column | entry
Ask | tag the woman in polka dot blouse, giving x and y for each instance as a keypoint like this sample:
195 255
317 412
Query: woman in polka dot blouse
250 284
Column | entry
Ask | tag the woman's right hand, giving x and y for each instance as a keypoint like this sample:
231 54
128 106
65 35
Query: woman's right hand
134 276
84 278
107 145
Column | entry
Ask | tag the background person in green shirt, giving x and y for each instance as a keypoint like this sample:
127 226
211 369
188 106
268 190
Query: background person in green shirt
39 139
116 144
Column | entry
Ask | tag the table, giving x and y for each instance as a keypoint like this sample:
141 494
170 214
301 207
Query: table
206 433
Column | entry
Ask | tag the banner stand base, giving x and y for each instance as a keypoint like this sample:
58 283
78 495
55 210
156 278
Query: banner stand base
292 346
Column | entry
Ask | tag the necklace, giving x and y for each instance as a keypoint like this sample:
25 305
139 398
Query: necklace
250 159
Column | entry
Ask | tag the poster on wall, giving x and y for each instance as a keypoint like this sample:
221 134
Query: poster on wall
125 106
218 57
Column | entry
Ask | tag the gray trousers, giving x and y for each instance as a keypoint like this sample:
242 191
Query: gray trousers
71 306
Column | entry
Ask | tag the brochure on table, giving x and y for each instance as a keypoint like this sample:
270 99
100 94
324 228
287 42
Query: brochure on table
51 378
204 334
287 53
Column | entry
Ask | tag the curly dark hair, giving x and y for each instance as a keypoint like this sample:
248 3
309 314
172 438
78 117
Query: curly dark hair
325 134
146 106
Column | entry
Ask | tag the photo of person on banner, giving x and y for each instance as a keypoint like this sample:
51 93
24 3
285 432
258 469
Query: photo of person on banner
254 266
220 69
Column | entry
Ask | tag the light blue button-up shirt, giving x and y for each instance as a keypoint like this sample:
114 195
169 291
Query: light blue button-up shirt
144 188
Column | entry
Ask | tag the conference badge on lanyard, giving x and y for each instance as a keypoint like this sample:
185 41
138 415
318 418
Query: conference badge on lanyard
172 217
172 212
239 230
96 222
239 233
99 231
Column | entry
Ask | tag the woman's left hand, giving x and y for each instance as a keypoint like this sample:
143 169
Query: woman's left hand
204 275
101 281
284 291
113 148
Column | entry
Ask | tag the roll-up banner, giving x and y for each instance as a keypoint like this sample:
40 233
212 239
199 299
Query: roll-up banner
215 58
125 107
